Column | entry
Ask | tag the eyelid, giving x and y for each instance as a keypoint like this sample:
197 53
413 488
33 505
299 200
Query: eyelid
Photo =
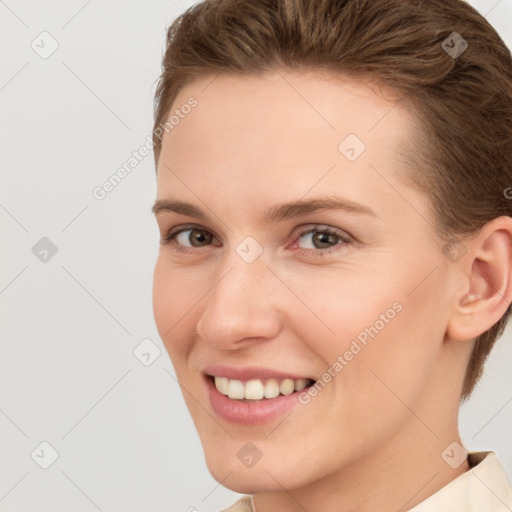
344 237
304 230
184 227
172 233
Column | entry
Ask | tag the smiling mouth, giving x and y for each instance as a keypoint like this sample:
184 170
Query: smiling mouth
256 390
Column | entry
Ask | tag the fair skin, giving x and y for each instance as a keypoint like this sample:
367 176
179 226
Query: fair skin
372 439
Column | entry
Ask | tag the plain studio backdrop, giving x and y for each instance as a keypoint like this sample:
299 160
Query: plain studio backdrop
91 416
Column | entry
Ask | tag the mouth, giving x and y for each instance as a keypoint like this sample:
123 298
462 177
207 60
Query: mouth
253 396
258 389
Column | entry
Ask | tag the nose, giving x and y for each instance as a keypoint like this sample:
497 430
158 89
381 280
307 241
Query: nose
242 307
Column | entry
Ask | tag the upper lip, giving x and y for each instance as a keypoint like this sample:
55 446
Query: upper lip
249 372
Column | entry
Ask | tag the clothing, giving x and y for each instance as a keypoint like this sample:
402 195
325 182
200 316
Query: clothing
244 504
483 488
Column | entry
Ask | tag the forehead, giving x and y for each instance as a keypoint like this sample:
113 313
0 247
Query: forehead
286 101
283 131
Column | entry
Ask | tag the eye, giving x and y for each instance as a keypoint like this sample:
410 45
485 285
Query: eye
188 237
324 239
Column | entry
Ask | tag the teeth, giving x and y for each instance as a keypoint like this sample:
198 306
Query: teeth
236 389
287 387
221 383
255 389
271 388
300 384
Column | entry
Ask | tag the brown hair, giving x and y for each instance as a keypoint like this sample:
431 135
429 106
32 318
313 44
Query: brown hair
462 154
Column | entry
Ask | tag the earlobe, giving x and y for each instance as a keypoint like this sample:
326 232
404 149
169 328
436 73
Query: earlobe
487 270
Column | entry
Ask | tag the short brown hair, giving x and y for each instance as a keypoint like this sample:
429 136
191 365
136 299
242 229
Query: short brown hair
462 154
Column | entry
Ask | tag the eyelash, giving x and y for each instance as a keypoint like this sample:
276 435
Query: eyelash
173 233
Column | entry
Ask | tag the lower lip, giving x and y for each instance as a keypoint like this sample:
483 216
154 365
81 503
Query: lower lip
250 413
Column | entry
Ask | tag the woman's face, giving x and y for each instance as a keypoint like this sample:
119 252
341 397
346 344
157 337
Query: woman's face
251 285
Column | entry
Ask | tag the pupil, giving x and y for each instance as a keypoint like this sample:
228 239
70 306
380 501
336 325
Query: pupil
198 237
323 238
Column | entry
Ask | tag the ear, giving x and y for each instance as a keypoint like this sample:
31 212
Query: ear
487 281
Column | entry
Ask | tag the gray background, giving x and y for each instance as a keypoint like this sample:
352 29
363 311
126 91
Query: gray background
69 376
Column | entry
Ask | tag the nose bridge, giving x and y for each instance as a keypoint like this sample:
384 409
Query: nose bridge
241 303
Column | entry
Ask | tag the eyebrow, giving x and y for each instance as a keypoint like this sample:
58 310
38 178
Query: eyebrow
276 213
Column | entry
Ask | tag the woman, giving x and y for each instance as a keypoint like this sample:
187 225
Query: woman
335 262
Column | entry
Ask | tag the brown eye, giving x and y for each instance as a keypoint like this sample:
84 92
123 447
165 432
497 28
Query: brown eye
323 238
198 238
188 237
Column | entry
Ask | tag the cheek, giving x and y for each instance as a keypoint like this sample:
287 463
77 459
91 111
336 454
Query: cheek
395 364
344 307
174 298
376 336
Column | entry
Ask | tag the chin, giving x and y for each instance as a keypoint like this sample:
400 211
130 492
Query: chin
249 481
263 476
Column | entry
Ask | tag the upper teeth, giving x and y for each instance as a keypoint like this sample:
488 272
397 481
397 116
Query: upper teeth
255 389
